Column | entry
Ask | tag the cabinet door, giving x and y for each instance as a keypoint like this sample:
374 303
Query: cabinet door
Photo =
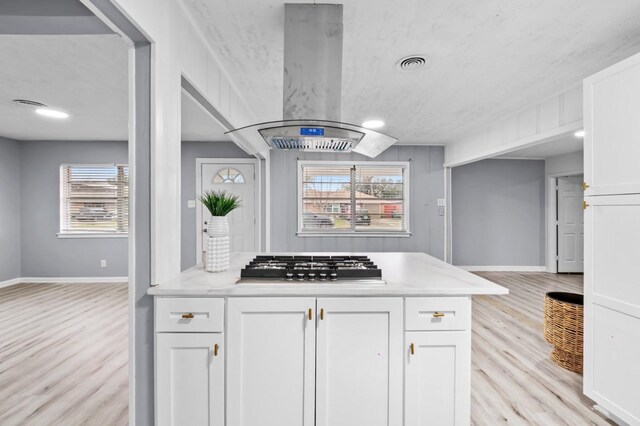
359 362
437 378
189 379
271 361
612 129
612 304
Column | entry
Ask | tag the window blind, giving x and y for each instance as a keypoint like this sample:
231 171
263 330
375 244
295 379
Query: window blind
94 199
356 198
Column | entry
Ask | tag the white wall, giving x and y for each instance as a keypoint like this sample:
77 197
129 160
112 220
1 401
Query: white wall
178 49
546 120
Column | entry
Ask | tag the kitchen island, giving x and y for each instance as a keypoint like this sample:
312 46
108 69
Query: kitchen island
317 353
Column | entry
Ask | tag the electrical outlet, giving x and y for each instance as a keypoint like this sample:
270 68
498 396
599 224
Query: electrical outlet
103 263
441 202
191 204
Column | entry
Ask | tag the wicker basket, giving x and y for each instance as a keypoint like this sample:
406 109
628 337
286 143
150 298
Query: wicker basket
563 328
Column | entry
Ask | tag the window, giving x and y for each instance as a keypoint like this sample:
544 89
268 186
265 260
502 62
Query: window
353 198
228 175
94 199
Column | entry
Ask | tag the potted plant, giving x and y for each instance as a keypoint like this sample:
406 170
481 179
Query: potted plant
219 204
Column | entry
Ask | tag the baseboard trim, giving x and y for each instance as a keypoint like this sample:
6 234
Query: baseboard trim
66 280
484 268
12 281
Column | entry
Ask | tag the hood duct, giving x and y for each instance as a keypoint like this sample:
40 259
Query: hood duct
312 96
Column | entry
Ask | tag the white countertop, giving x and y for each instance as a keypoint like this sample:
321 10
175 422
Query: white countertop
406 274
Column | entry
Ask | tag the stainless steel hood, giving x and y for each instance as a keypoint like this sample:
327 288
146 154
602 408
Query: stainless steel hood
312 98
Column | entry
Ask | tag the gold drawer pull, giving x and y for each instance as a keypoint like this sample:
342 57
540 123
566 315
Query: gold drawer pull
187 316
438 314
585 185
322 313
412 349
310 314
215 349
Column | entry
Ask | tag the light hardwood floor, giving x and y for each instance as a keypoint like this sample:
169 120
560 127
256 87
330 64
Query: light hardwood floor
513 381
63 354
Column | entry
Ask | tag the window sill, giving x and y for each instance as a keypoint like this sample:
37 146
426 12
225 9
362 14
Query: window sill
91 235
404 234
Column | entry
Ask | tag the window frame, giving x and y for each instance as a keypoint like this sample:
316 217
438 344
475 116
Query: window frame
406 232
81 234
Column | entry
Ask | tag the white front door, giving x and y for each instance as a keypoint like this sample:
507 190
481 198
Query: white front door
570 224
237 179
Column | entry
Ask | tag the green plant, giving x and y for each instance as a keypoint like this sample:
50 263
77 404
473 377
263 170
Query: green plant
220 203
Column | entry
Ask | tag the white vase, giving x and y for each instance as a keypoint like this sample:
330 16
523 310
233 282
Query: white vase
217 258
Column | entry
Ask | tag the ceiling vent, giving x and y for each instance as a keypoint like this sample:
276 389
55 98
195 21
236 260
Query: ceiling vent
26 102
412 63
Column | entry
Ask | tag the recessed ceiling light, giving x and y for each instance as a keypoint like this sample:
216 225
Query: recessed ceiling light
373 124
48 112
579 134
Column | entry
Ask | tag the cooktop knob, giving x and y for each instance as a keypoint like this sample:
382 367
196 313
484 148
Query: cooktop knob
289 276
312 277
334 276
300 277
323 277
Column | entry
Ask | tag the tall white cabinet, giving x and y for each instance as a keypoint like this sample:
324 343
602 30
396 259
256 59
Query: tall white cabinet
612 239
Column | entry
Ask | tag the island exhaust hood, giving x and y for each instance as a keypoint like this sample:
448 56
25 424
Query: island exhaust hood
312 98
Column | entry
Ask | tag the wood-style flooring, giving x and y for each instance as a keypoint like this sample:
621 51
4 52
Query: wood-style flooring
513 381
63 354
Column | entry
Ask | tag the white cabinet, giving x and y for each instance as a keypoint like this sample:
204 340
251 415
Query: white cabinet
437 378
359 362
612 129
612 304
189 379
612 239
271 361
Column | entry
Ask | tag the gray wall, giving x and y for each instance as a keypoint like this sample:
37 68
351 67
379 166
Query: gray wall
43 253
9 209
426 186
498 213
191 151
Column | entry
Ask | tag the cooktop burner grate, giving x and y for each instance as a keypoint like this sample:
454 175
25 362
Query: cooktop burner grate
311 268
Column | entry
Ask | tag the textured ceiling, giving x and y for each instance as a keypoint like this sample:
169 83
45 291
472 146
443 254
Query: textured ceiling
85 76
487 58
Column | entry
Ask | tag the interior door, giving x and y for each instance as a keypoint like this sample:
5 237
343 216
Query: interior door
570 224
359 362
237 179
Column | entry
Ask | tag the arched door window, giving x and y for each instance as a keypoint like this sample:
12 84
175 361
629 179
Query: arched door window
228 175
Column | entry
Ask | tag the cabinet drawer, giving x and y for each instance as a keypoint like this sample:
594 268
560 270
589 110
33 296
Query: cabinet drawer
437 313
189 314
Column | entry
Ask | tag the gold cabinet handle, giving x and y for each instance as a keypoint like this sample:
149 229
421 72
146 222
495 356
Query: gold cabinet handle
585 185
438 314
187 316
215 349
412 349
585 205
321 313
310 314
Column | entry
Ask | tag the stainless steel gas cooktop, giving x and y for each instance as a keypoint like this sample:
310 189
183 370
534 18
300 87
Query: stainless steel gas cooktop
311 270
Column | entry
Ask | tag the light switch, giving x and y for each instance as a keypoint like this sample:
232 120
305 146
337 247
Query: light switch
441 202
441 211
191 204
